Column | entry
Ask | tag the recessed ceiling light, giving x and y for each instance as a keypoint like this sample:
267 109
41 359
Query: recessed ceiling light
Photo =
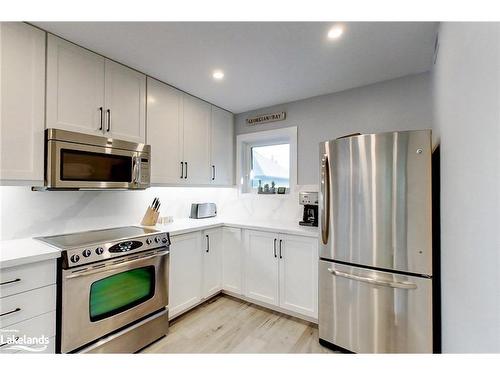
218 75
335 32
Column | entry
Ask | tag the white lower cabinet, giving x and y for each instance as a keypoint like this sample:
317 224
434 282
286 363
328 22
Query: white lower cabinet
299 274
281 270
274 269
28 308
185 273
232 260
261 267
212 262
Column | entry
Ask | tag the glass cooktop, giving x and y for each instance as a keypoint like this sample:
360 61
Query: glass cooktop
80 239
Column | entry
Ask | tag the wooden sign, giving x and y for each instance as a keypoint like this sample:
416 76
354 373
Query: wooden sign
270 117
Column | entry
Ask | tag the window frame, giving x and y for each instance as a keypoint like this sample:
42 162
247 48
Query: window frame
244 144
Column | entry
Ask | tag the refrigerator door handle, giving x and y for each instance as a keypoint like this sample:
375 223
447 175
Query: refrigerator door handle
390 284
325 192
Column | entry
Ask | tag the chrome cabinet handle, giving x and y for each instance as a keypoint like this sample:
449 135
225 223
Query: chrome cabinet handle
102 117
281 257
182 169
10 281
186 176
369 280
208 243
325 192
17 309
119 265
274 248
108 111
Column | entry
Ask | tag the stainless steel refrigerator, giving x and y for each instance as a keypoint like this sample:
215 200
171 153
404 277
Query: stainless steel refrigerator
375 246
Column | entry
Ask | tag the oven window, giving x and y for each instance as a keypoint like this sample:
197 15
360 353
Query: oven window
120 292
93 166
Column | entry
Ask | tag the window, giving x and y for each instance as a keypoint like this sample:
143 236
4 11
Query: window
265 157
270 164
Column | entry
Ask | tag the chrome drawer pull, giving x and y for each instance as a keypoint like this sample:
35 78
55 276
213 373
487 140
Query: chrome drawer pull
10 282
390 284
11 312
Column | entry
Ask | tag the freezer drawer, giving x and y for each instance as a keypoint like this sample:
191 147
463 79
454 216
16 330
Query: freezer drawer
367 311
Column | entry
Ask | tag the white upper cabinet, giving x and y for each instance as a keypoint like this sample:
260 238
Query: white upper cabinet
75 88
261 267
90 94
22 100
197 117
164 132
221 149
212 262
299 274
125 103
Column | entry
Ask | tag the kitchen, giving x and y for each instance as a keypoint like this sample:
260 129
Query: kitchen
157 208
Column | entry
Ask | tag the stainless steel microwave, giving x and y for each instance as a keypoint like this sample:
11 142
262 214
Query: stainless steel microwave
86 162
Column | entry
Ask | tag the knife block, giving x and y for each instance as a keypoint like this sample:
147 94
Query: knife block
150 217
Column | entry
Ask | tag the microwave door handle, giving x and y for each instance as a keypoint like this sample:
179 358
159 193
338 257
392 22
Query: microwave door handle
139 170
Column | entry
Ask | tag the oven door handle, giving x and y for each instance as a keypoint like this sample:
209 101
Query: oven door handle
115 266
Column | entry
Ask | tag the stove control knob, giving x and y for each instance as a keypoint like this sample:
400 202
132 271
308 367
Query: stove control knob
86 253
164 240
148 241
75 258
99 250
157 239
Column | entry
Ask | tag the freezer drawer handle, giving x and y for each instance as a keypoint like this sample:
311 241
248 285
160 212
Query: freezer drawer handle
390 284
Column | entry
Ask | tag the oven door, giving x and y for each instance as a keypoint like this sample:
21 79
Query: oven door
82 166
99 299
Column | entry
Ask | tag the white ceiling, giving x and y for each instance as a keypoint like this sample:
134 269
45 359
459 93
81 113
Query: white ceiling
264 63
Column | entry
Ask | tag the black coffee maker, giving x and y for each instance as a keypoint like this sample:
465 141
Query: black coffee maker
310 202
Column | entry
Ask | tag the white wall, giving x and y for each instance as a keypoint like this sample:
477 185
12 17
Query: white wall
466 83
399 104
25 213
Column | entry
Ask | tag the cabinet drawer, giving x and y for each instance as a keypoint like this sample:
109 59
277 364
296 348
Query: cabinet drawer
19 279
27 305
42 325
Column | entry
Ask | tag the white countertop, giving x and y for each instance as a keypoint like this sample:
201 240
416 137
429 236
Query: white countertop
181 226
25 250
28 250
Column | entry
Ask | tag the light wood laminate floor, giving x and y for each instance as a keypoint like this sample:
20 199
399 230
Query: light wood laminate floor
228 325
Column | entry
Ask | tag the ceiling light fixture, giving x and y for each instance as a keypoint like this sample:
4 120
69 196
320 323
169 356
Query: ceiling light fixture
218 75
335 32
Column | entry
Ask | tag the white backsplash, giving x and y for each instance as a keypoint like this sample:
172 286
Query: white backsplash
25 213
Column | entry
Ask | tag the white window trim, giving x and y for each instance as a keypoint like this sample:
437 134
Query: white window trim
244 144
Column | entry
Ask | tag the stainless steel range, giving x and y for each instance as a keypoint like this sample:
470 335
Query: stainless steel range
113 289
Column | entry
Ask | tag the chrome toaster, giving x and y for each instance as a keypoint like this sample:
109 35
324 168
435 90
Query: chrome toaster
203 210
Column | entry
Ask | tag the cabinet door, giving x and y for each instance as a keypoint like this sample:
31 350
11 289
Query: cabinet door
261 267
299 274
212 262
75 87
164 132
125 99
232 260
22 101
197 116
185 273
221 144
